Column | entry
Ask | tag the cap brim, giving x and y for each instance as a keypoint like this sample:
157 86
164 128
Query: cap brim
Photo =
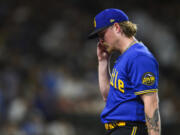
94 34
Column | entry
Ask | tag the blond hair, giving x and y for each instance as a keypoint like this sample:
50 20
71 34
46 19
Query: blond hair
128 28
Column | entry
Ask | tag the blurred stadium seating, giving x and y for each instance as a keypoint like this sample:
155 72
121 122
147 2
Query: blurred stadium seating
48 68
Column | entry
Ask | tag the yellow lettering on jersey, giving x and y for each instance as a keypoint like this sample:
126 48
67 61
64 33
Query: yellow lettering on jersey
112 77
113 81
121 85
115 85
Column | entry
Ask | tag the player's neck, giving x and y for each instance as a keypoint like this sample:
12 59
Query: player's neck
127 43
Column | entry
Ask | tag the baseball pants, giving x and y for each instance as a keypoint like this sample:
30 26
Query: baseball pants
128 130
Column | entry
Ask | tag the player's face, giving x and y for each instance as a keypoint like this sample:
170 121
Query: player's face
106 37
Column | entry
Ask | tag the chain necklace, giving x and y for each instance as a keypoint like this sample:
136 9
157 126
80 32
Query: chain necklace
132 43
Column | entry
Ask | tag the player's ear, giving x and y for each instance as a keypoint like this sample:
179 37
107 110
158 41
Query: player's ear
117 28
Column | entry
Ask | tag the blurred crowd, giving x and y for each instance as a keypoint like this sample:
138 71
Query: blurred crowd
48 68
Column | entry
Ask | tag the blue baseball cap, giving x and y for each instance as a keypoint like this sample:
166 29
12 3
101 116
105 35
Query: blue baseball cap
106 18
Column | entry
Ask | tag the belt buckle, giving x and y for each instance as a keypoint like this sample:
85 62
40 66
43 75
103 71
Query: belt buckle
109 126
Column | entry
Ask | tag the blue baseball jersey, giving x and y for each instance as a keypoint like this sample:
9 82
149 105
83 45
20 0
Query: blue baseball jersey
135 72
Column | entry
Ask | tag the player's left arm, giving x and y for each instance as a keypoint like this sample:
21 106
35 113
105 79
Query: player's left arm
152 115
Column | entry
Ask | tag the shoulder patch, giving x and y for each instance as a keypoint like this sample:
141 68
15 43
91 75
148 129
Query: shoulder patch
148 78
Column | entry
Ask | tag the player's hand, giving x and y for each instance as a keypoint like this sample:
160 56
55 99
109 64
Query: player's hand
102 54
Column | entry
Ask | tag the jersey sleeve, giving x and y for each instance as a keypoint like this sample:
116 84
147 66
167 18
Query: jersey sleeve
143 74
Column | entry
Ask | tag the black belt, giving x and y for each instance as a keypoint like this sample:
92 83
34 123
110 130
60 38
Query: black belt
112 125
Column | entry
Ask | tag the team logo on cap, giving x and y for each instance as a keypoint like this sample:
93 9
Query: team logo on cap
112 20
94 22
148 78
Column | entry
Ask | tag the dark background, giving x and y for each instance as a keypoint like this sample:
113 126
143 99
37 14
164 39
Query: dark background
48 67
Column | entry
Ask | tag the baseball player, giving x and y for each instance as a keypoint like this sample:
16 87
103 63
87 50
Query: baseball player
131 92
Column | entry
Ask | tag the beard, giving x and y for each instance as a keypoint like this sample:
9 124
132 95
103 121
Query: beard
109 49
